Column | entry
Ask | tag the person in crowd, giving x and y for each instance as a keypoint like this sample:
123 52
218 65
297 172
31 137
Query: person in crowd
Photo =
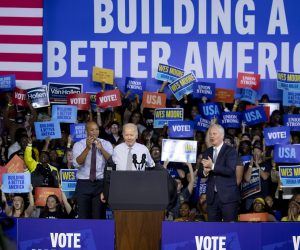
259 206
137 119
183 192
219 165
293 212
42 173
200 212
115 136
3 152
271 207
68 159
54 209
18 208
131 155
257 162
184 212
20 135
89 157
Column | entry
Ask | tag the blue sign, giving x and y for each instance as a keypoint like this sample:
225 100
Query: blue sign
287 153
7 83
254 116
243 235
206 89
201 124
277 135
248 95
292 121
78 131
291 98
164 115
181 129
231 119
64 113
47 129
245 159
210 110
183 86
168 73
16 183
68 179
136 86
65 234
39 96
289 176
253 186
288 81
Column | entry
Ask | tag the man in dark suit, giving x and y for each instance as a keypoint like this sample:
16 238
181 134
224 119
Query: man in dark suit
219 163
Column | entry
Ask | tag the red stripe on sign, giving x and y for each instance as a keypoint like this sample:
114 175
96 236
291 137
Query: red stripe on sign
22 3
21 39
24 75
21 21
15 57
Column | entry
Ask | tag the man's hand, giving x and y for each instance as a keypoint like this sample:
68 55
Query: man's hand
102 198
207 165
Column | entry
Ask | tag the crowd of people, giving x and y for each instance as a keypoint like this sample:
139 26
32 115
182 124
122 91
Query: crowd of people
208 190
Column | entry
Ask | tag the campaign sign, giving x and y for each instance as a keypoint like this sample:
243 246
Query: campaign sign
65 234
254 116
3 170
78 131
201 124
64 113
103 75
228 235
109 99
248 95
277 135
68 179
291 98
224 95
181 129
20 97
162 116
247 80
15 165
288 81
183 86
179 151
245 159
154 100
210 110
16 183
41 194
7 83
47 129
253 186
38 96
231 119
168 73
287 153
206 89
292 121
93 101
135 85
58 91
290 176
81 101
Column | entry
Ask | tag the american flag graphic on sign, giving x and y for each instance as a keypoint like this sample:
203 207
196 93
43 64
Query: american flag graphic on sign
21 41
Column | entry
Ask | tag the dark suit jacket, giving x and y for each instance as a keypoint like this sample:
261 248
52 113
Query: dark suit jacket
223 175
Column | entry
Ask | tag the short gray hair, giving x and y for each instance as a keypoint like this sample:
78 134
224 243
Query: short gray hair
220 128
131 126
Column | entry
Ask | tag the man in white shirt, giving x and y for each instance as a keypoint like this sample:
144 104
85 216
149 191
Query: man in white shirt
131 155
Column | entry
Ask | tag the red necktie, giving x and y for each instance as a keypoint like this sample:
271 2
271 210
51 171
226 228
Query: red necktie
93 163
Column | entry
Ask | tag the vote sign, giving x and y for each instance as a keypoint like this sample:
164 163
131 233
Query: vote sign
20 97
181 129
108 99
277 135
287 153
82 101
154 100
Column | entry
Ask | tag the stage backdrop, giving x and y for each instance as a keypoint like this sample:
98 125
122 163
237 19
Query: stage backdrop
214 39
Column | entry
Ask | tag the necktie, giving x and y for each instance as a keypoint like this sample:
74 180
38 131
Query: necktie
93 163
215 155
129 159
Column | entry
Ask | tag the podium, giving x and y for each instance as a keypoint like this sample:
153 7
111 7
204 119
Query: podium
138 200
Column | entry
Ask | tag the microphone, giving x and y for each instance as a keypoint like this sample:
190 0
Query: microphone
138 165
